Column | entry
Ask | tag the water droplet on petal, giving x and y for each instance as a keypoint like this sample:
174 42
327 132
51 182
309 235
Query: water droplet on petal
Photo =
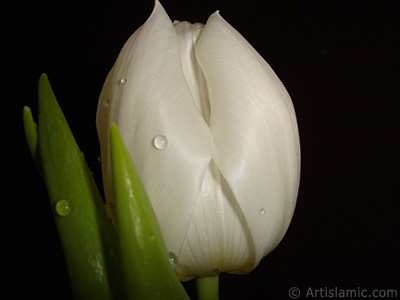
160 142
262 211
106 102
173 259
63 208
122 81
216 272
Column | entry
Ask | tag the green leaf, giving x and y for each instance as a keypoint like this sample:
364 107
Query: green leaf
31 135
148 274
86 234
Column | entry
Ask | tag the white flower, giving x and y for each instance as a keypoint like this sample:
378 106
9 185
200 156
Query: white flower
212 132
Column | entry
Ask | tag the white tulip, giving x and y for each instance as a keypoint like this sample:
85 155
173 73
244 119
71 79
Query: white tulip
213 134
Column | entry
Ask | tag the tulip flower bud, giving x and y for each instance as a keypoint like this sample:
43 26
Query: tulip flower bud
212 132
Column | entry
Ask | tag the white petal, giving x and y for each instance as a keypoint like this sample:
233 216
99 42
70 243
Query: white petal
188 35
255 132
218 238
155 100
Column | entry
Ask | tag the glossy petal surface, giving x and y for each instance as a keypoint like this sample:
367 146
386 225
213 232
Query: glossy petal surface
155 101
213 134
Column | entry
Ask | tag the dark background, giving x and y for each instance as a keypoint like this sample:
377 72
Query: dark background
339 60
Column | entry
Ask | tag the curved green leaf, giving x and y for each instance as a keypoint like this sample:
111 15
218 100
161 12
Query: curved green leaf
148 274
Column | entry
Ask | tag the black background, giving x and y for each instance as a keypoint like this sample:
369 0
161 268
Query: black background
339 60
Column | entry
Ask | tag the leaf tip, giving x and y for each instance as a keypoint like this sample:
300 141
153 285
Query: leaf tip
43 77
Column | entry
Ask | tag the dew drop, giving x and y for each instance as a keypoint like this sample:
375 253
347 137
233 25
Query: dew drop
262 211
216 272
106 102
122 81
173 259
160 142
63 208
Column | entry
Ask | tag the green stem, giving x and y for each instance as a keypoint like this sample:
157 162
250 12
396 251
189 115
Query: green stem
207 287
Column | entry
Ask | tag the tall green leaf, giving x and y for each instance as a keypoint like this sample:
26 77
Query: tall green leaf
86 235
148 273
